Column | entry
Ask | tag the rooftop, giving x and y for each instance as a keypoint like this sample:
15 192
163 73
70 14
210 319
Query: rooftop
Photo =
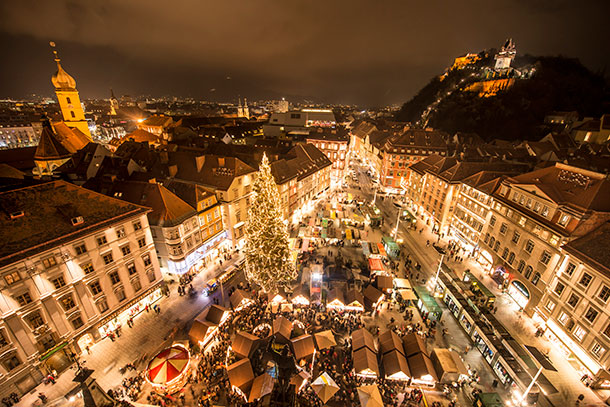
593 248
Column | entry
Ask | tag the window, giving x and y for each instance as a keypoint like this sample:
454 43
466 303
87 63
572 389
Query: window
492 221
49 262
101 240
67 302
102 305
95 288
573 300
135 283
563 318
120 232
120 294
80 249
35 320
87 268
604 293
505 253
545 258
151 275
529 246
554 240
503 229
545 211
107 258
585 280
125 250
492 241
24 299
591 314
536 278
72 114
497 246
12 277
579 333
521 266
598 350
146 259
537 207
11 362
563 219
137 225
511 258
77 322
142 241
528 272
3 339
516 236
131 269
114 277
559 287
570 269
58 282
522 221
550 306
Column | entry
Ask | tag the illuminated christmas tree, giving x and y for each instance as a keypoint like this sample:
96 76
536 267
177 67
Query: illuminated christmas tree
268 260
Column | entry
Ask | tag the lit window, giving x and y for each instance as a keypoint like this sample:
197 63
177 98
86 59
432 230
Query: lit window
12 278
579 333
120 232
550 306
49 262
563 318
598 350
559 287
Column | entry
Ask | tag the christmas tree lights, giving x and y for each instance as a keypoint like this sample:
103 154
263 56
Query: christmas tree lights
268 260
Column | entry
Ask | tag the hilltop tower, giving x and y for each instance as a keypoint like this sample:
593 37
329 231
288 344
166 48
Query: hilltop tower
114 103
67 96
506 55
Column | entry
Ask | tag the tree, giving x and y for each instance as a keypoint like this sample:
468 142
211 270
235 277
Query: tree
268 260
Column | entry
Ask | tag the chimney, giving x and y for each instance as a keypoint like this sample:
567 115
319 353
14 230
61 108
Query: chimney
200 160
173 170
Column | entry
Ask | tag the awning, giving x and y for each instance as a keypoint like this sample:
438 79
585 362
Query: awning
348 234
407 295
381 250
52 351
238 224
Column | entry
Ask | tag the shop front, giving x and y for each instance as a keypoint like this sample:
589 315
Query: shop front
499 274
519 293
485 259
57 358
130 310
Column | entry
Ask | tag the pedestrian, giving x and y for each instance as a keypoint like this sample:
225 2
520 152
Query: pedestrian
88 350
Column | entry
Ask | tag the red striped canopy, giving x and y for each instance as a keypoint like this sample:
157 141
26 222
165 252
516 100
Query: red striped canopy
168 364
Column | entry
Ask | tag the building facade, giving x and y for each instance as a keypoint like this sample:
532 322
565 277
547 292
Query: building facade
17 135
335 146
70 283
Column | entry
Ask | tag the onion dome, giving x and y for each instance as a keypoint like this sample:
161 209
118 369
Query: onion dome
61 79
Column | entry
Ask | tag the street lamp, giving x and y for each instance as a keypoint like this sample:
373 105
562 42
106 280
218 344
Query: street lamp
442 252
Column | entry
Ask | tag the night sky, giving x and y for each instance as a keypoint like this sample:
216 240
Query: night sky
337 51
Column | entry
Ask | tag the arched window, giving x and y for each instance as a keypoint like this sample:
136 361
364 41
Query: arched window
492 241
536 278
521 266
528 271
505 253
72 113
511 258
486 237
497 246
68 101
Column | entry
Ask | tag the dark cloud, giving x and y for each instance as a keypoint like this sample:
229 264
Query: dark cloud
338 50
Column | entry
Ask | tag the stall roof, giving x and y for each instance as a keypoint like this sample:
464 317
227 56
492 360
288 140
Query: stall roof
381 250
384 282
449 361
282 327
261 386
362 338
199 330
407 294
375 265
372 294
241 374
335 294
244 343
413 344
420 365
365 360
325 339
239 298
303 346
354 296
214 314
402 283
394 362
389 341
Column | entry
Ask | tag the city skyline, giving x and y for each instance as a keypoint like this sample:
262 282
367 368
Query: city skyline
217 52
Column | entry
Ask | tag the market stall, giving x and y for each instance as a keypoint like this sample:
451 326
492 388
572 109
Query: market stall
303 347
390 341
325 339
241 376
375 265
413 344
244 343
369 396
384 283
168 370
449 365
362 338
335 300
325 387
422 370
354 301
372 297
365 363
240 299
395 366
261 386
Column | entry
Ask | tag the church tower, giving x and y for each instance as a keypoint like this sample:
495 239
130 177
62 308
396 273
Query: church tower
114 103
69 101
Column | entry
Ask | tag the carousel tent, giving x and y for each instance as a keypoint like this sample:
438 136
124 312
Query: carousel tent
168 365
395 366
199 330
389 341
215 314
335 298
303 347
325 339
241 374
413 344
365 362
240 298
421 367
369 396
362 338
244 344
261 386
282 327
372 296
384 283
449 366
354 299
325 387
